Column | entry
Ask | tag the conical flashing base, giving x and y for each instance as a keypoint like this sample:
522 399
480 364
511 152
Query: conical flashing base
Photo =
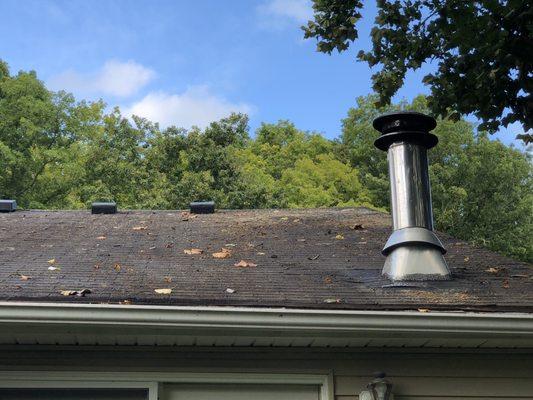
416 263
415 254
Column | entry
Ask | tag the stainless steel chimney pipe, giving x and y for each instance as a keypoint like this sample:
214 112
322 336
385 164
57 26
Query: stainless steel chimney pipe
413 250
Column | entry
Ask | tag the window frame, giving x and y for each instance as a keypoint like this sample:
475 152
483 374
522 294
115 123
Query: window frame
152 380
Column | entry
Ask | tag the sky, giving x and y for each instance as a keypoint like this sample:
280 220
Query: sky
191 62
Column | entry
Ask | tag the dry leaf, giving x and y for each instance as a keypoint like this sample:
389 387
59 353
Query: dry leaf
493 270
467 259
80 293
25 277
245 264
423 310
301 240
339 237
224 253
284 218
505 284
332 301
167 279
125 302
139 228
163 291
230 291
54 269
260 253
230 245
169 245
328 280
52 261
193 251
101 238
117 267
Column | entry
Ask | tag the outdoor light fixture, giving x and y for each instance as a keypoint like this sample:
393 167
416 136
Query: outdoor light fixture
378 389
413 251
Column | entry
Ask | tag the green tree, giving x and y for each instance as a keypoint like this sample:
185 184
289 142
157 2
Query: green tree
483 49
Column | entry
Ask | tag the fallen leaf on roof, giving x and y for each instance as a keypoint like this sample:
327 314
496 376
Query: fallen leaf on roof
193 251
245 264
163 291
100 238
117 267
284 218
139 228
493 270
230 245
125 302
339 237
230 291
296 220
54 269
423 310
169 245
467 259
301 240
25 277
80 293
96 266
328 280
223 253
357 227
167 279
505 284
315 257
52 261
332 301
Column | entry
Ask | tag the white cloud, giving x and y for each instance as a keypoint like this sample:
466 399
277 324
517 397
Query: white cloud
196 106
278 14
116 78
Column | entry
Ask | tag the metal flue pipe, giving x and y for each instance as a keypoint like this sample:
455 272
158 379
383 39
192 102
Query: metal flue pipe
413 250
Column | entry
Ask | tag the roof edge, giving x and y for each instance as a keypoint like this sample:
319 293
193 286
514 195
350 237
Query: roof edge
328 326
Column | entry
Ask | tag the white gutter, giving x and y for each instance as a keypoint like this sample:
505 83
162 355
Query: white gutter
509 329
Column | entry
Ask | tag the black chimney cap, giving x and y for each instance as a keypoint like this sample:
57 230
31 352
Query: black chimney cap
409 126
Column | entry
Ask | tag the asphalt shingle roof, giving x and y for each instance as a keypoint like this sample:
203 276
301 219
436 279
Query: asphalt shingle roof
318 258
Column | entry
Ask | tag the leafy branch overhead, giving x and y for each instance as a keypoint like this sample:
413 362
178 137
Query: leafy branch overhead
482 52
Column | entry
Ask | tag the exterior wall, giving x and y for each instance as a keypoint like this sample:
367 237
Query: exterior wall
416 375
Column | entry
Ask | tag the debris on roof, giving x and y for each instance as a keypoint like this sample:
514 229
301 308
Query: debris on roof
266 262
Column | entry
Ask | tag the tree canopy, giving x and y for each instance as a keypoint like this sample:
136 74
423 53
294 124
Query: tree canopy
483 51
59 153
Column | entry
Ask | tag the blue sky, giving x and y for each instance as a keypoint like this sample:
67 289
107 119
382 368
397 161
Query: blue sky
191 62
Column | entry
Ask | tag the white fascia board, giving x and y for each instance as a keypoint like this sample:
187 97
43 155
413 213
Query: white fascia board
101 319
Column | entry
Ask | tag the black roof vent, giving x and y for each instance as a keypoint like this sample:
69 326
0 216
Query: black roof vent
203 207
104 208
8 205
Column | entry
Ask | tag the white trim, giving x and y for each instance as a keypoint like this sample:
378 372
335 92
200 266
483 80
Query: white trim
72 320
152 380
